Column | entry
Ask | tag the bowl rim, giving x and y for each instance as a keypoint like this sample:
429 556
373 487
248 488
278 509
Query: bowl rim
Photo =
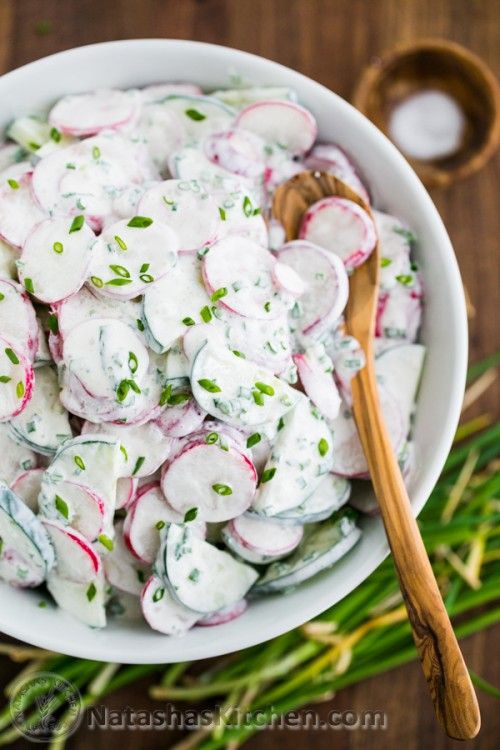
103 648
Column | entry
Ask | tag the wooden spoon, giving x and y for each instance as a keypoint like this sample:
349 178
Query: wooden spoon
451 690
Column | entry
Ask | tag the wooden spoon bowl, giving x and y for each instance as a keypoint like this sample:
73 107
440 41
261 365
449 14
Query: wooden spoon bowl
451 690
444 66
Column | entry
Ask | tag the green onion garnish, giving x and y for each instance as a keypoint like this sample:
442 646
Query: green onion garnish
5 379
140 222
55 135
121 244
140 324
323 447
20 389
190 515
146 278
120 270
209 385
218 294
160 525
12 356
28 285
118 282
158 594
91 592
97 281
138 464
193 114
385 262
144 268
267 475
267 306
61 506
405 279
77 224
13 184
58 247
133 362
247 206
258 398
105 541
205 314
79 462
188 322
222 489
212 438
264 388
124 451
222 214
253 439
96 152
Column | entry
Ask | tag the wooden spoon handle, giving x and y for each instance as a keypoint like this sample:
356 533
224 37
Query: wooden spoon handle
452 693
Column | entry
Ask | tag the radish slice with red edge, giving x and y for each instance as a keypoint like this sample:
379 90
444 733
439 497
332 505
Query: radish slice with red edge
27 487
164 613
88 114
76 560
16 381
18 318
283 122
224 615
259 540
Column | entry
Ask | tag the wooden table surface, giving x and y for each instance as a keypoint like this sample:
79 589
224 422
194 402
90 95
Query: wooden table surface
330 41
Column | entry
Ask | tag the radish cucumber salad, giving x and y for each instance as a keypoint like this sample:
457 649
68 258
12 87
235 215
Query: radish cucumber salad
176 433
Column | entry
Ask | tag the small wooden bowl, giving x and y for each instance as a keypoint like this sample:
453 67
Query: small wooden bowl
448 67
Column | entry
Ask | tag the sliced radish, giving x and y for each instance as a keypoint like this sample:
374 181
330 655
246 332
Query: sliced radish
132 254
241 210
237 391
75 557
84 601
43 423
18 211
327 157
175 303
121 568
224 615
259 540
126 489
302 454
200 576
8 257
103 353
85 304
88 114
219 483
200 115
15 459
161 131
162 612
80 506
239 151
315 373
341 227
185 207
281 122
399 370
18 320
145 519
400 309
144 447
27 487
56 259
181 420
16 381
239 274
288 280
327 287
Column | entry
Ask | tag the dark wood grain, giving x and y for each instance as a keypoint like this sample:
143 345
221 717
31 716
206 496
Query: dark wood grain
331 41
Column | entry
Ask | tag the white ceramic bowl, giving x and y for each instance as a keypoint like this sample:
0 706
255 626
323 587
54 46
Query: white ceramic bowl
396 189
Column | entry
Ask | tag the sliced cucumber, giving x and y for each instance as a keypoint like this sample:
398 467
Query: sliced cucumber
331 494
27 487
26 552
241 97
85 601
15 459
121 568
203 578
322 547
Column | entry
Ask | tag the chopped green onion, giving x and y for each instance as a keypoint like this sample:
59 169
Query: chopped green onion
42 604
267 475
120 270
58 247
247 206
188 322
118 282
146 278
258 398
253 439
144 268
222 214
97 281
61 506
55 135
91 592
218 294
105 541
212 438
267 306
193 114
405 278
13 184
20 389
209 385
141 576
96 152
190 515
77 224
385 262
140 324
52 323
28 285
12 356
165 395
158 594
122 390
138 464
124 451
160 525
194 575
121 244
178 398
222 489
323 447
34 146
2 296
205 314
140 222
264 388
238 354
79 462
5 379
133 362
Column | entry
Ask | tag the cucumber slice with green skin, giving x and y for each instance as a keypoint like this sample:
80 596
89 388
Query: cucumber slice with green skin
147 516
88 114
151 252
199 575
224 615
84 601
163 612
200 115
260 541
144 447
71 503
121 568
29 132
15 459
170 306
76 560
185 207
27 487
225 386
16 381
26 552
341 227
327 288
241 97
281 122
43 425
56 259
19 213
331 494
18 318
239 273
316 375
322 547
102 353
399 370
219 483
301 455
8 257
